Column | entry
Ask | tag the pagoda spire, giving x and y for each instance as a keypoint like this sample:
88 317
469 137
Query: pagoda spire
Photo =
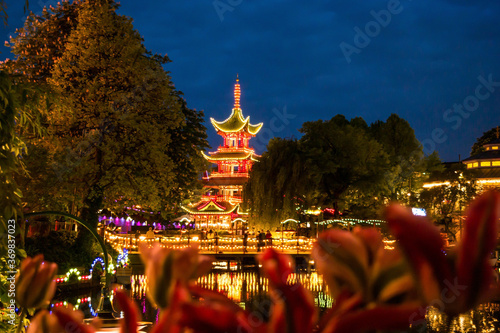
237 93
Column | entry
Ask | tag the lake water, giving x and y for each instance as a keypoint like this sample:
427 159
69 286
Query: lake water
249 290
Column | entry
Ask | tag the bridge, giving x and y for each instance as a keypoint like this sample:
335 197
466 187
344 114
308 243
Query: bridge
221 245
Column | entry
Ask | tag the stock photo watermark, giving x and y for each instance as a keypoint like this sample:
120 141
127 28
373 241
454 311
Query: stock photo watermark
454 116
277 124
448 295
460 111
11 273
363 37
223 6
41 4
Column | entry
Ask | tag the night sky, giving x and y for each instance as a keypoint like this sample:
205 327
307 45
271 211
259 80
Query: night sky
301 61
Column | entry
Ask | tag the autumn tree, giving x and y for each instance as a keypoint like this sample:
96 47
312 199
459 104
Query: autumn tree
121 135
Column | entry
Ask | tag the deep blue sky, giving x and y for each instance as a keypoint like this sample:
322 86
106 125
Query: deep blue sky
288 55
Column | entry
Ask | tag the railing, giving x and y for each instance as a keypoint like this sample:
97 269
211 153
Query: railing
232 198
220 245
231 149
226 174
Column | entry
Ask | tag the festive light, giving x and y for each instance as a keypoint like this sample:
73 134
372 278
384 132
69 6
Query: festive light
431 185
312 211
236 123
488 181
237 93
289 220
122 259
211 204
240 157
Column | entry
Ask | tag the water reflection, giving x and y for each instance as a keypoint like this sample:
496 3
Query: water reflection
483 319
249 289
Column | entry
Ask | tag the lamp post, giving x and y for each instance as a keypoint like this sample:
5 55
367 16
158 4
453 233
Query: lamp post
105 310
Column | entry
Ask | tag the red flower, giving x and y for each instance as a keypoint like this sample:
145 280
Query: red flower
62 320
478 242
293 307
165 267
452 283
372 286
35 285
131 313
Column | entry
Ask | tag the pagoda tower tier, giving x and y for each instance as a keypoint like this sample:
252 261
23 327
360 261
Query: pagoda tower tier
219 207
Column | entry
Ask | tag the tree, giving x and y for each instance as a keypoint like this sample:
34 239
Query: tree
335 164
19 117
445 203
278 182
342 159
405 156
487 137
122 135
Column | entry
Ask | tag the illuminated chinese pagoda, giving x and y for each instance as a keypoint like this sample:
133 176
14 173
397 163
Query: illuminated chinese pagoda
219 207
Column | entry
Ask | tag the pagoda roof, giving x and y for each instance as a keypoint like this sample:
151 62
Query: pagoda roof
236 123
224 156
211 207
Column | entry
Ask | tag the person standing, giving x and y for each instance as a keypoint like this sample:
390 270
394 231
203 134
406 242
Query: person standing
245 242
216 238
137 235
260 238
210 238
150 234
269 238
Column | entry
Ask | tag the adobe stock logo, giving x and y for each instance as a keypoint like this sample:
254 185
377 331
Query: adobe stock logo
277 124
372 29
225 6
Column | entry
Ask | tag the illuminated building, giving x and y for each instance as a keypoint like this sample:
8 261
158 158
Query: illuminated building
484 167
486 164
219 207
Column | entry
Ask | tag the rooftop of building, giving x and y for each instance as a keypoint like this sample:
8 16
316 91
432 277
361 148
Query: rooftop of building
236 121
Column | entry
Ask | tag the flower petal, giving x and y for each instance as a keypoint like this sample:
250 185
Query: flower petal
343 260
422 244
130 311
293 307
478 241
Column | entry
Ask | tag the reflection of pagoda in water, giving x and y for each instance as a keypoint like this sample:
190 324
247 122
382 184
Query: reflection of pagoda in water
219 207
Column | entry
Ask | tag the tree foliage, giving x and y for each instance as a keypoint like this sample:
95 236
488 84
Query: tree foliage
278 183
20 117
445 204
404 152
121 134
342 159
487 137
341 164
